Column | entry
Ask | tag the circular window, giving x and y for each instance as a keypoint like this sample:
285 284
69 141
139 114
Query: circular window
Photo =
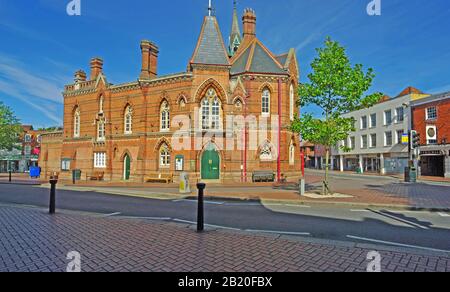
431 132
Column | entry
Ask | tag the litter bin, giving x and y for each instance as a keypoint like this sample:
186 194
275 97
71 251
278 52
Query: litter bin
76 175
410 174
35 172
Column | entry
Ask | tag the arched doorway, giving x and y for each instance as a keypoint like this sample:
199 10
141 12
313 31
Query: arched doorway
126 167
210 168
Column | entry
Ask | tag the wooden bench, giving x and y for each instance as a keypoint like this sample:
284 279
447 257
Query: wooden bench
159 177
263 176
98 176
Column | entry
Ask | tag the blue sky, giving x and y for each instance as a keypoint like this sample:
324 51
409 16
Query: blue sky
41 46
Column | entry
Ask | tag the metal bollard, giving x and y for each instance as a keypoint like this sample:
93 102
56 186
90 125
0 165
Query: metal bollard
10 174
200 215
52 207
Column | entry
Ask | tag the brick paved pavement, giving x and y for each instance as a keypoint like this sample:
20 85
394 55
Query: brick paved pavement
31 240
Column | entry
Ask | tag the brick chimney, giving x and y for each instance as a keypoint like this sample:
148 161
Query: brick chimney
249 24
80 76
96 67
149 69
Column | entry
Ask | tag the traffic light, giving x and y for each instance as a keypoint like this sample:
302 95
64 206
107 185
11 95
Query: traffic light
415 140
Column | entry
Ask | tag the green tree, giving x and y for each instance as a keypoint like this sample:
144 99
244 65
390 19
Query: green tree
336 87
10 128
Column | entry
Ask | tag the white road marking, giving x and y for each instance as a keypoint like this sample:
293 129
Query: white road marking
278 232
397 244
148 218
184 221
359 211
444 214
110 215
287 205
382 214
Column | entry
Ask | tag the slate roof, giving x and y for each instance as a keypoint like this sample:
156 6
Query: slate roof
256 59
210 46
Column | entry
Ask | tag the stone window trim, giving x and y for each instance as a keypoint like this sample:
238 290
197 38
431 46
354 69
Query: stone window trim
100 160
164 156
211 111
164 112
431 113
77 123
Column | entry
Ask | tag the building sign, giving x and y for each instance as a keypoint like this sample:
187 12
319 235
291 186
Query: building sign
431 152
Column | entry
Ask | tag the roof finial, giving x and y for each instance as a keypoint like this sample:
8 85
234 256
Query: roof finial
210 8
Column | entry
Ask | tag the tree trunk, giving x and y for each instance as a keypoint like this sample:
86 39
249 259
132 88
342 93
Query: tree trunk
326 189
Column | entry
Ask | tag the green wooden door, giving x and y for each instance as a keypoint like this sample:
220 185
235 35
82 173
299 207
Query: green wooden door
210 164
127 167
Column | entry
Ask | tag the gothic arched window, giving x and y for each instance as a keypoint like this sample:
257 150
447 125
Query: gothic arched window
210 111
165 116
101 104
76 124
128 120
164 156
266 153
265 102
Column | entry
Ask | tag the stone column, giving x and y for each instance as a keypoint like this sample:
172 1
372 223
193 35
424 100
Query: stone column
316 162
361 163
341 163
382 168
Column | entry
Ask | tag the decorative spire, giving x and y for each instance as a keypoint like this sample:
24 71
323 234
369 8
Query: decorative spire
210 8
235 36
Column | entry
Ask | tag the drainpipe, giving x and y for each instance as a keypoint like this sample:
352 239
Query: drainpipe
279 131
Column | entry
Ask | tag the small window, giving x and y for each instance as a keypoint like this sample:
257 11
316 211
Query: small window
76 124
431 113
101 131
400 113
373 141
164 156
165 116
265 102
27 138
388 139
128 120
100 160
388 117
373 120
364 142
364 123
352 143
100 106
65 164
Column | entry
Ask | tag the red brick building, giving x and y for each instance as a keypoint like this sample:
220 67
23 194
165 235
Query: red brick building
430 118
181 122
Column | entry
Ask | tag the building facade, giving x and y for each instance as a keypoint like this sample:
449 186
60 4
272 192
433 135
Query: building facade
430 118
206 121
25 155
377 145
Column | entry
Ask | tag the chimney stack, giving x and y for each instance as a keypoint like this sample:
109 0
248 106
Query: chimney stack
249 23
150 53
80 76
96 68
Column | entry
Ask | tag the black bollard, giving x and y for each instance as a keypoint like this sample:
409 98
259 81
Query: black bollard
200 215
52 207
10 179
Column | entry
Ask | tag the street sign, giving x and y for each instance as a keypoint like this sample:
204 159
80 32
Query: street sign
405 139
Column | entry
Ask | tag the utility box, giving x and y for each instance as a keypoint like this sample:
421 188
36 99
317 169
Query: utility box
185 187
76 175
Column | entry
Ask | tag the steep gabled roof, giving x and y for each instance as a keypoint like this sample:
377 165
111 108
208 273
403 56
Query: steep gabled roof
210 47
410 90
256 58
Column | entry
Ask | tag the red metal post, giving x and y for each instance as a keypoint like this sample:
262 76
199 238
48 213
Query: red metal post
279 131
